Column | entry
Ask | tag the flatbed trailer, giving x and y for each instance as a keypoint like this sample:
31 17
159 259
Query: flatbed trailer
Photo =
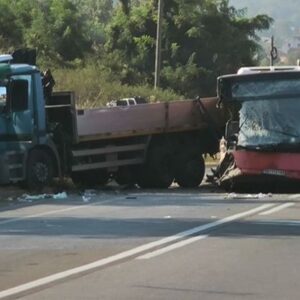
144 119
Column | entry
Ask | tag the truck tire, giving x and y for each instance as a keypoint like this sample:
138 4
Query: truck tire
89 179
158 170
190 172
40 170
125 176
144 179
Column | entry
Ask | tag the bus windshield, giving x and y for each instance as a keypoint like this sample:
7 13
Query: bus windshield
266 122
268 111
266 90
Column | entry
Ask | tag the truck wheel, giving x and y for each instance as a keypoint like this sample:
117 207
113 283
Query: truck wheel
144 178
190 172
125 176
40 170
158 170
91 178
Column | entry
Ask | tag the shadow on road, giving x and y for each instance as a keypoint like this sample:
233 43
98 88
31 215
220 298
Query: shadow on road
117 228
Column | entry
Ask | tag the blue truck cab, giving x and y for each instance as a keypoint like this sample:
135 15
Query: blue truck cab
28 153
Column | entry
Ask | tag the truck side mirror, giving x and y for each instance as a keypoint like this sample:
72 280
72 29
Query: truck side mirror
18 95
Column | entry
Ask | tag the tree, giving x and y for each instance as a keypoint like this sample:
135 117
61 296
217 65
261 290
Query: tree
10 29
205 40
55 28
96 14
131 43
125 6
201 40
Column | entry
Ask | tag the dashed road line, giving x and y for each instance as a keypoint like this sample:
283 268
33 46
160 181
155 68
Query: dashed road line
56 211
280 223
42 282
296 196
173 247
277 208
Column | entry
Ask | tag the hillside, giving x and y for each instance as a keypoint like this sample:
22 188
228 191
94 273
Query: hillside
276 8
285 14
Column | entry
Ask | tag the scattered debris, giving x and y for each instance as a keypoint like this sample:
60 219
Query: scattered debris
88 194
85 198
62 195
248 196
30 198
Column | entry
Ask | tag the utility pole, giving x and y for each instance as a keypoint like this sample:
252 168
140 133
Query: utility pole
158 44
273 52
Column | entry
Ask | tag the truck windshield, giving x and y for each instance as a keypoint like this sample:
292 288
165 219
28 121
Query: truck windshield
3 95
269 112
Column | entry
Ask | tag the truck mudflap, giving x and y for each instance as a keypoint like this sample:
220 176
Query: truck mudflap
257 170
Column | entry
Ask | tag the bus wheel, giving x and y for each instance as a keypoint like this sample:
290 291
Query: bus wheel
190 172
40 170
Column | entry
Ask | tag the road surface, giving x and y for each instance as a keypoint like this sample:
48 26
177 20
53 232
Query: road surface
142 244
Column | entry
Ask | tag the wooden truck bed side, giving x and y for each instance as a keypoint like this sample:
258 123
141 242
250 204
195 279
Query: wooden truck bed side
143 119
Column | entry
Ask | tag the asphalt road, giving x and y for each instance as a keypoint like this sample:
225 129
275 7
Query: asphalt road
135 244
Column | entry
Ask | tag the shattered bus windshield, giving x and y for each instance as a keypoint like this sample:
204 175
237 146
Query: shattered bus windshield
269 112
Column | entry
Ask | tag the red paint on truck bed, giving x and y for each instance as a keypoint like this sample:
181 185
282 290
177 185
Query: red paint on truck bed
143 119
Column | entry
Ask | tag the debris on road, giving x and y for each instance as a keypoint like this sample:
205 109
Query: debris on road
248 196
30 198
167 217
88 194
62 195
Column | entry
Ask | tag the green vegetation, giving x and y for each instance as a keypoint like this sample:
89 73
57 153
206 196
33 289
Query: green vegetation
105 50
93 87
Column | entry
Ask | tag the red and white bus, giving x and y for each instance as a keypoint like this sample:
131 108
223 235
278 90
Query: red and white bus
263 130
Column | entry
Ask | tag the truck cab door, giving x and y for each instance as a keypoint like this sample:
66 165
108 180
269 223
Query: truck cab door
16 124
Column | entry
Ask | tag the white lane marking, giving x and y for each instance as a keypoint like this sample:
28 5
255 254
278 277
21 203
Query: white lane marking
296 196
202 228
51 212
277 208
126 254
13 220
173 247
280 223
176 195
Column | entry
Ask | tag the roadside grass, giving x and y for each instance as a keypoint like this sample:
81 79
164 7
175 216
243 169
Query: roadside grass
94 87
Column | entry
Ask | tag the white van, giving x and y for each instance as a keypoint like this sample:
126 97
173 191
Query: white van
126 102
